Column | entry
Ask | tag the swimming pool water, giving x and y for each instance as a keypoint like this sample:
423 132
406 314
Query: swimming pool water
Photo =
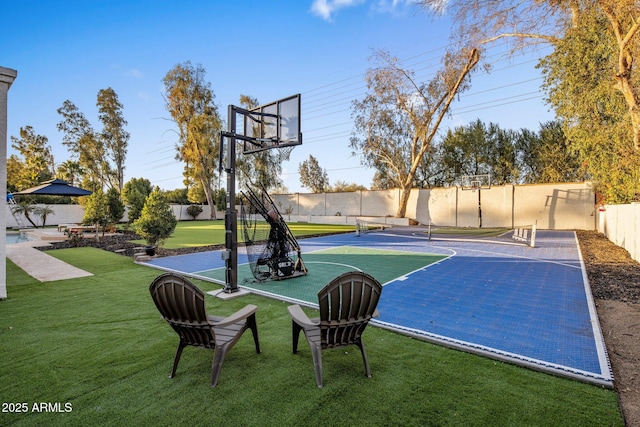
15 238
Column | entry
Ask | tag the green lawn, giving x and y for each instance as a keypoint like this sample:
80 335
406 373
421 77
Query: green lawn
203 233
99 345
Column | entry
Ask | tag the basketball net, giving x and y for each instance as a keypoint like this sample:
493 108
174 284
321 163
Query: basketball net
283 153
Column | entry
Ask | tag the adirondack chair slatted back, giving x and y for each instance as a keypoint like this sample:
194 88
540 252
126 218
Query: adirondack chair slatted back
347 304
181 304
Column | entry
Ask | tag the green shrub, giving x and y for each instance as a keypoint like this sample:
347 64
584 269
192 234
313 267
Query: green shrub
134 194
115 207
157 221
194 211
95 209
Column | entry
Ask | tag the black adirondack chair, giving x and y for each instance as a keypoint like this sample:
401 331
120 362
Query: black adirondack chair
181 304
347 304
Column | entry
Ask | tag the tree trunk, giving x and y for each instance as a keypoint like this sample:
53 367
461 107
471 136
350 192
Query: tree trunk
625 40
405 192
26 215
207 193
635 122
624 85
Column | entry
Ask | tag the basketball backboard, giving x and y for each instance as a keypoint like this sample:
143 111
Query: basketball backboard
475 182
273 125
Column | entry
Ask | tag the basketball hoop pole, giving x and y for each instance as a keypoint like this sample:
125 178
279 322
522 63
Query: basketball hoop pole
477 186
479 207
230 255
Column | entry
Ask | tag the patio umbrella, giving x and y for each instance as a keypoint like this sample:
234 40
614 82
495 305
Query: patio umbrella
55 187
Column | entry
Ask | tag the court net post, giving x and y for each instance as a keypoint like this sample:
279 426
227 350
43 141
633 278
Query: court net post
521 234
361 227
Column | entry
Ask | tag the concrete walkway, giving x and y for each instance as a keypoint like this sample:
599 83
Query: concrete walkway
40 265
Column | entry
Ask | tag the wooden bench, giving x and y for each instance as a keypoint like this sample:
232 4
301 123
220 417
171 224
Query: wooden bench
81 229
63 227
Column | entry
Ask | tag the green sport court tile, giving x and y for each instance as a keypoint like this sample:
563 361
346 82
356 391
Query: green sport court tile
323 265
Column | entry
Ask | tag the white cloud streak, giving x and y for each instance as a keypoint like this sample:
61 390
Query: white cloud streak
326 8
135 73
391 6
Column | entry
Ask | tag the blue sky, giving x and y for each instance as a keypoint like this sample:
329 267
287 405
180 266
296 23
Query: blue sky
266 49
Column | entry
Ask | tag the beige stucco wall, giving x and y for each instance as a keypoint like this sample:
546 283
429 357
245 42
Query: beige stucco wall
550 206
555 207
621 225
73 214
377 203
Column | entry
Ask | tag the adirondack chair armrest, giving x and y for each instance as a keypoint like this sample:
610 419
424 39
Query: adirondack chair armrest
236 317
300 317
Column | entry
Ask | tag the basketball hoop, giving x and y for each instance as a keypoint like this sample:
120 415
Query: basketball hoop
279 153
476 183
272 126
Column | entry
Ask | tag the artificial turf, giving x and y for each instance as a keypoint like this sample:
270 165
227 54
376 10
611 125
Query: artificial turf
204 233
97 345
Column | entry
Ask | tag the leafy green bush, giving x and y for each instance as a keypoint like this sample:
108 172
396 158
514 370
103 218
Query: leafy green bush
157 221
134 194
95 209
220 199
115 207
194 211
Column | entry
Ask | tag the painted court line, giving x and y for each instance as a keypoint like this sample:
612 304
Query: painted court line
333 263
595 323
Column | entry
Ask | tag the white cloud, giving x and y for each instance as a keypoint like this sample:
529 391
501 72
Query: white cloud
392 6
135 73
132 72
325 8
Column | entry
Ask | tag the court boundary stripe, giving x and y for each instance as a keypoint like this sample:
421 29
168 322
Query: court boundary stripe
601 349
340 264
444 239
489 242
496 354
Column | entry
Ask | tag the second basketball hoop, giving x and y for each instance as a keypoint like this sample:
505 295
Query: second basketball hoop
476 183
